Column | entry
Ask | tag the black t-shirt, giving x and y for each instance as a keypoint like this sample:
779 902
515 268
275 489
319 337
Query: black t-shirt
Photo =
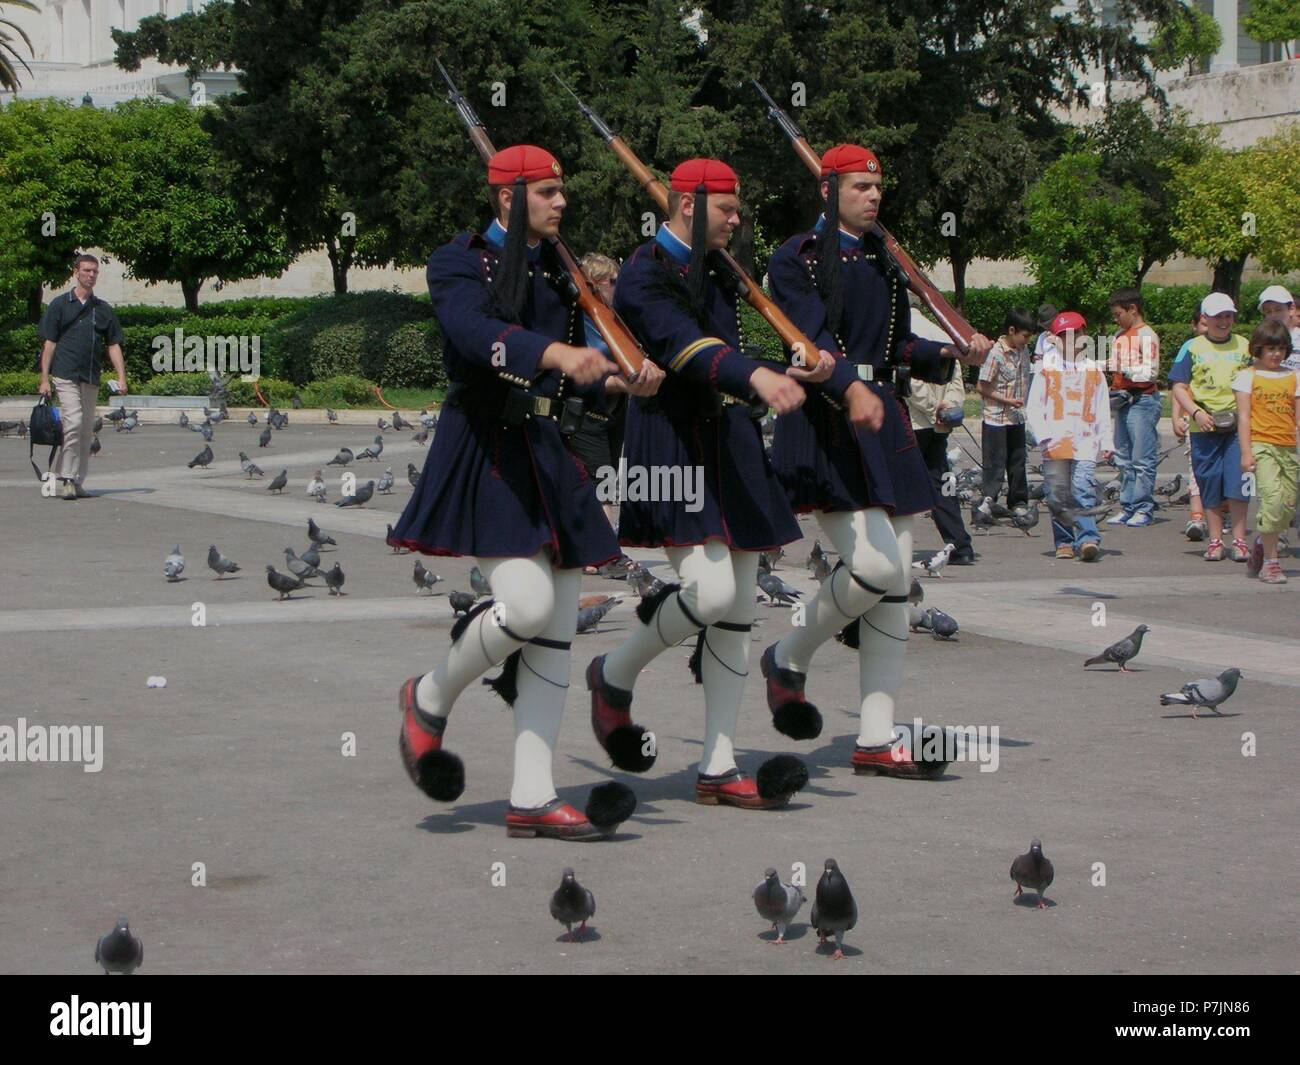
80 338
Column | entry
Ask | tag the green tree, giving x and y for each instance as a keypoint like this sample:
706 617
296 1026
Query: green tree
1272 183
1084 234
8 52
1139 151
178 218
59 168
1188 36
1274 22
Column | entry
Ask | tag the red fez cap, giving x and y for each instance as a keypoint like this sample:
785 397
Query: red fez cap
713 174
525 161
1068 320
850 159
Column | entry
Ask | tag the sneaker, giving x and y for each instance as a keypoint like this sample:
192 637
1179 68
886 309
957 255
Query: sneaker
69 491
1065 552
1214 551
1256 561
1240 551
1271 573
962 558
1139 521
1196 528
1121 518
1090 552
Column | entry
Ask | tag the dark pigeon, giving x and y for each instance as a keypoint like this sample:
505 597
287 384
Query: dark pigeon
202 458
412 475
1033 871
282 583
572 904
95 446
264 437
342 458
219 564
316 536
590 617
360 499
834 910
460 602
312 555
119 951
1123 651
776 590
300 569
278 482
478 582
423 578
334 580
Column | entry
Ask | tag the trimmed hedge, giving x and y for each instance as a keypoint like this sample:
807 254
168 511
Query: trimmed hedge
19 383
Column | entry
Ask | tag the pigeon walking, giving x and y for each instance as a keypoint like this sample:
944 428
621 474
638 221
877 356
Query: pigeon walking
219 564
119 951
334 580
400 423
99 424
1209 694
385 484
590 617
398 549
95 446
424 578
815 556
312 555
361 498
1024 520
1122 652
332 416
383 426
421 438
252 418
184 420
478 582
778 903
461 602
572 904
342 458
278 482
264 437
943 626
776 590
412 475
249 466
1033 871
316 487
821 568
202 458
373 451
834 910
643 582
915 593
282 583
174 564
933 566
317 536
300 569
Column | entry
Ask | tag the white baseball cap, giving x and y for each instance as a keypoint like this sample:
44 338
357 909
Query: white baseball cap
1217 303
1275 294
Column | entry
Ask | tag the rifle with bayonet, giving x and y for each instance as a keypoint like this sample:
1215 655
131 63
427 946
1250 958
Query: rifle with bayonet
623 348
805 351
947 316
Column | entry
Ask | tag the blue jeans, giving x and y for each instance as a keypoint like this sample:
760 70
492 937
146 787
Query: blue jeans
1073 482
1137 443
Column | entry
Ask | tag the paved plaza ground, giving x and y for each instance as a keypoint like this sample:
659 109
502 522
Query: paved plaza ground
320 862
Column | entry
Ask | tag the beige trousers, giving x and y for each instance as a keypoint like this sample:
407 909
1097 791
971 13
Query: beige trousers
77 409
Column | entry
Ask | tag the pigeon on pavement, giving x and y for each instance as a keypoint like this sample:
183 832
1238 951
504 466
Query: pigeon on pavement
1123 651
119 951
915 593
478 582
423 578
383 426
943 626
460 602
1033 871
312 555
421 438
373 451
249 466
385 484
834 910
332 416
316 536
316 487
202 458
590 617
219 564
342 458
95 446
776 590
778 903
283 584
174 564
400 423
412 475
572 904
334 580
278 482
361 498
933 566
99 424
264 438
184 420
300 569
252 418
1205 693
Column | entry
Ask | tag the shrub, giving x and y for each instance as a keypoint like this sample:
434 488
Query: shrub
413 358
341 391
175 384
19 383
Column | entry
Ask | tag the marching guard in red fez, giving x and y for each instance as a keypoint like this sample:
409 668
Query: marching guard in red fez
838 284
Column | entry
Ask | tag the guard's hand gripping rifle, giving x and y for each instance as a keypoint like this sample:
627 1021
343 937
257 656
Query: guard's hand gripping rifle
949 319
805 351
623 348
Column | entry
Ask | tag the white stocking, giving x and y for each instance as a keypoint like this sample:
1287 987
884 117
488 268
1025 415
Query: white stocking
882 637
724 664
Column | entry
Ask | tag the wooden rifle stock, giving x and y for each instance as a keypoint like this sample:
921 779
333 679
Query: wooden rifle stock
623 348
947 315
791 335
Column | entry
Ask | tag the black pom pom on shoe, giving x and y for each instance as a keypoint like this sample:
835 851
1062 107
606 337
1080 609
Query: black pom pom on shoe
781 776
799 721
626 749
440 775
610 804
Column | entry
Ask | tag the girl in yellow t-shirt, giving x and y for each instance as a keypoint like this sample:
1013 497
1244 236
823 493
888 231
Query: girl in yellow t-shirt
1268 411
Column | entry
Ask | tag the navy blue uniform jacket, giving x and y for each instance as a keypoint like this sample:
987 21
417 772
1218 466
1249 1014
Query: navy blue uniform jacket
825 462
490 490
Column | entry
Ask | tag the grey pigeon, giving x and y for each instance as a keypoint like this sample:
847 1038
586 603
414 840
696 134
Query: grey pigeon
1026 519
119 951
252 418
820 568
590 617
342 458
834 910
373 451
332 416
421 438
219 564
460 601
334 580
643 582
1067 513
776 590
1033 871
814 556
385 484
1170 489
400 423
981 516
412 475
397 548
933 566
424 578
95 446
478 582
283 584
361 498
316 487
249 466
312 555
915 593
264 437
183 421
174 564
572 904
917 619
117 414
383 425
1207 693
429 421
295 401
99 424
278 482
1121 652
202 458
316 536
778 903
128 423
206 431
943 626
300 569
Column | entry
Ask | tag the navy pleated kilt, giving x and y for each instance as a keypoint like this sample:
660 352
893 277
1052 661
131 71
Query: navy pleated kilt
826 463
491 491
743 503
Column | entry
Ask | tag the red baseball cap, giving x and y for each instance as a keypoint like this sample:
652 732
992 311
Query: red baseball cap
850 159
525 161
713 174
1066 321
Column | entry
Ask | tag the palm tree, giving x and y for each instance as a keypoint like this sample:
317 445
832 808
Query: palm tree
8 75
